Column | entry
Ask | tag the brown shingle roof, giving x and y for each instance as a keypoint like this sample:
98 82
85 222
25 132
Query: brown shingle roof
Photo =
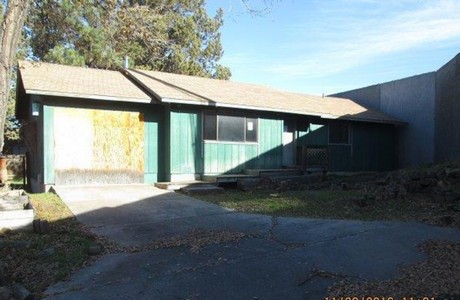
204 91
69 81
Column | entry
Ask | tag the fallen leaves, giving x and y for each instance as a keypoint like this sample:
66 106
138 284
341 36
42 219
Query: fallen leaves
438 275
195 239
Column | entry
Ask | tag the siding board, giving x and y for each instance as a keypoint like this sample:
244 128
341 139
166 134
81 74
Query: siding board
185 146
151 148
270 143
48 144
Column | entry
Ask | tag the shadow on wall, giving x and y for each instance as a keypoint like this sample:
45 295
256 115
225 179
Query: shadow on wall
232 158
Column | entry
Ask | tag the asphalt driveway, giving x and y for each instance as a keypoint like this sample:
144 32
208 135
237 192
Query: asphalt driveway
273 262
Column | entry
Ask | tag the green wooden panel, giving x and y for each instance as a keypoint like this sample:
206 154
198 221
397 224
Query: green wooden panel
252 161
313 135
48 144
340 158
228 158
372 149
185 143
270 143
151 147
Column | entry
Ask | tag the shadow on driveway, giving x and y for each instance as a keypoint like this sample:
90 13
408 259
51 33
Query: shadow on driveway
272 263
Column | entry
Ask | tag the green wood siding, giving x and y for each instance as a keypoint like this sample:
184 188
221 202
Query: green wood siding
372 146
376 144
185 143
48 144
313 135
372 149
151 147
230 158
270 143
189 154
233 158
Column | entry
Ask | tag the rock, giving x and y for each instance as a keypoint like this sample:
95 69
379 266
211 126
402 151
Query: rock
94 249
47 252
429 174
381 182
246 184
392 191
443 187
427 182
415 176
453 173
452 196
412 186
446 220
456 206
21 293
441 174
360 201
5 293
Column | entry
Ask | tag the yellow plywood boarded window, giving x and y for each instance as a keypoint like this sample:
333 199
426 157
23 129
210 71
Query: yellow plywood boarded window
98 144
118 140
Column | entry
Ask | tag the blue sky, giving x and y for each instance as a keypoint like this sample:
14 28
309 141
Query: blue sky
328 46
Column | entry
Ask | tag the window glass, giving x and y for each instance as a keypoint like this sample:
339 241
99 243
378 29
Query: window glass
339 133
251 130
231 128
210 129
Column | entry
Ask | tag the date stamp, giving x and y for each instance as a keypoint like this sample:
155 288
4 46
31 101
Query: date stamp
379 298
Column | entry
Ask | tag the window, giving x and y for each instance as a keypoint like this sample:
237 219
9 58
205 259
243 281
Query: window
229 128
339 133
251 130
210 128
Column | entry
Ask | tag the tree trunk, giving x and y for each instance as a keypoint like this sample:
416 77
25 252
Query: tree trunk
10 33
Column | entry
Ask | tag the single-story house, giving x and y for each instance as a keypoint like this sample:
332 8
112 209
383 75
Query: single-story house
85 125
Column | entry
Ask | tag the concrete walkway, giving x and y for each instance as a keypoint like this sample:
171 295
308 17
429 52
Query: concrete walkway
273 263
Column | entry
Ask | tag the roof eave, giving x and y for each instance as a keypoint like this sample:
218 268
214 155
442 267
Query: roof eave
258 108
87 96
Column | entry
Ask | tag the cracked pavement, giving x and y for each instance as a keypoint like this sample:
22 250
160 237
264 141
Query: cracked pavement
293 258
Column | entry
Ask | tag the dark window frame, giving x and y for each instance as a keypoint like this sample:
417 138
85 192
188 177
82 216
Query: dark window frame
214 136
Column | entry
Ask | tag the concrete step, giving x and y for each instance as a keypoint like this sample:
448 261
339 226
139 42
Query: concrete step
315 170
298 167
227 178
202 189
264 173
177 185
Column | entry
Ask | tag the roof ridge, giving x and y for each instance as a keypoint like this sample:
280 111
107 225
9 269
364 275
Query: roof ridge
39 63
168 84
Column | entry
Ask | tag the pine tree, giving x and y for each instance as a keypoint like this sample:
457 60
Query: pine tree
171 36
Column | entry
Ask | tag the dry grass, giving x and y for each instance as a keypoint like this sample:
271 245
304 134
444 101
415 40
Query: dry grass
334 204
36 261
